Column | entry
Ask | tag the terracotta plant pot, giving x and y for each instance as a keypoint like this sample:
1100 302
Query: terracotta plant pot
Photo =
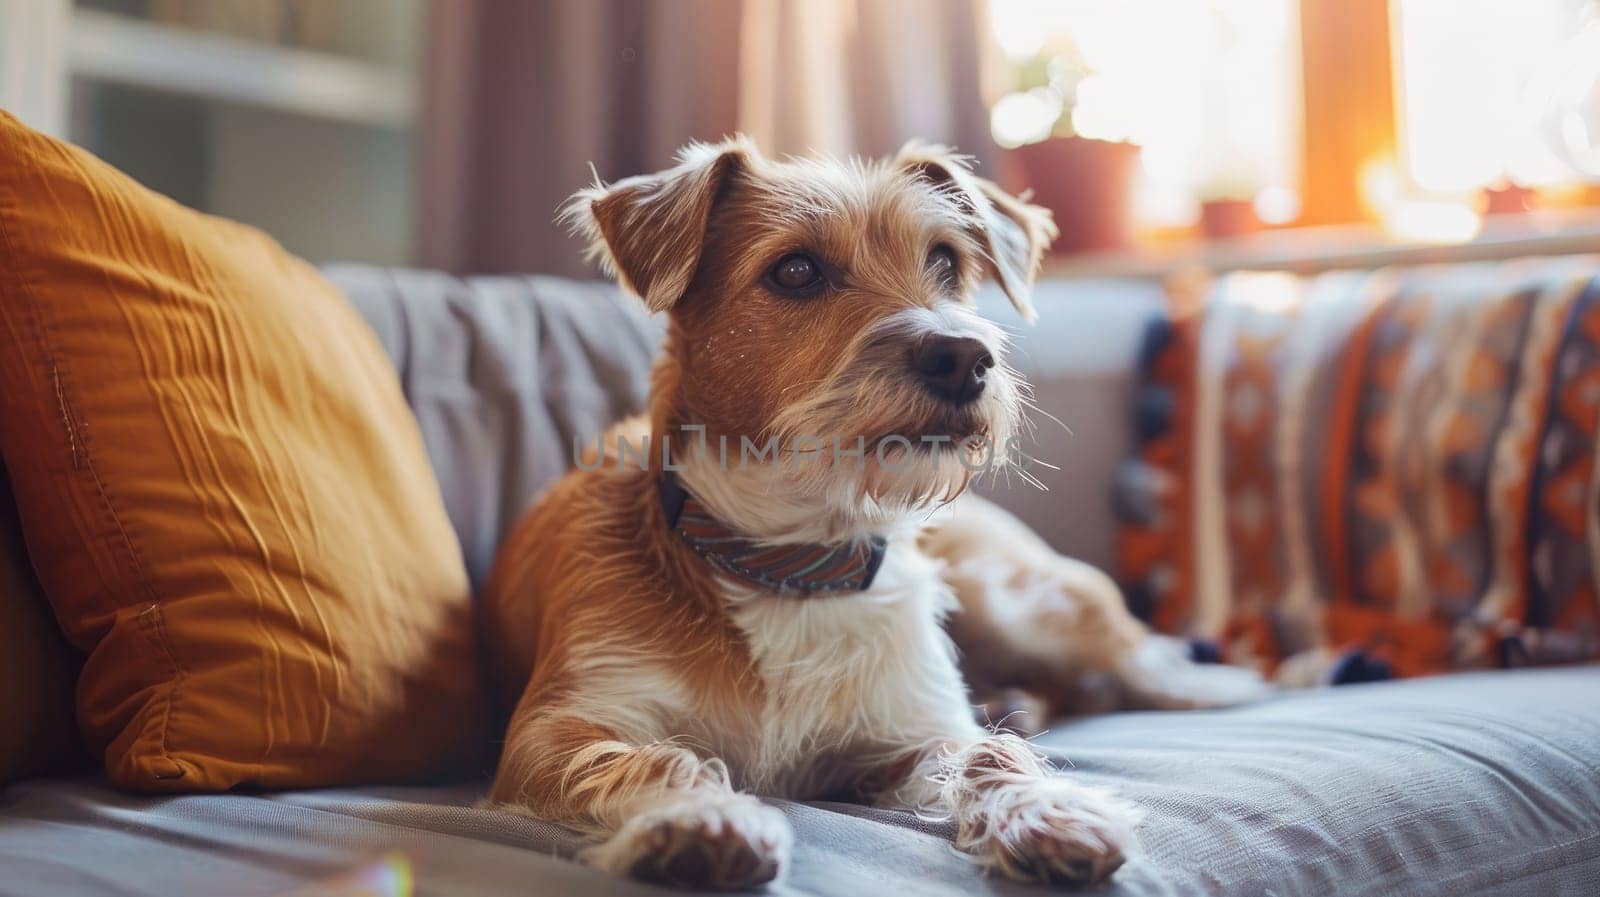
1224 218
1088 184
1508 199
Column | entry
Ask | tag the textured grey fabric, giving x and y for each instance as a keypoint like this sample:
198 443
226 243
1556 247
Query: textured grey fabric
504 372
1464 785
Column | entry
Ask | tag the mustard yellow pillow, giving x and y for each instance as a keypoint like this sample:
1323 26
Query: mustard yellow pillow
225 496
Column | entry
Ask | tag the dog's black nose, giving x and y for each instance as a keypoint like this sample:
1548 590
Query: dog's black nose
952 367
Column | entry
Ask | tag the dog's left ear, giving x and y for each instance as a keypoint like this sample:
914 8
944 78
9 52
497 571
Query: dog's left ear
648 230
1014 233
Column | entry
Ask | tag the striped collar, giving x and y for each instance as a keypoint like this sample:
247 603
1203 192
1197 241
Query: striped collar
807 568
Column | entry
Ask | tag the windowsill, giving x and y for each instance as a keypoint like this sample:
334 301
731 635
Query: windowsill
1308 250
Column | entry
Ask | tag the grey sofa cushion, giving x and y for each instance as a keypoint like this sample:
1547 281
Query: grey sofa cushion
1485 784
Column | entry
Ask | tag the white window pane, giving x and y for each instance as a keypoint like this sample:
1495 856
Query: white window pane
1472 78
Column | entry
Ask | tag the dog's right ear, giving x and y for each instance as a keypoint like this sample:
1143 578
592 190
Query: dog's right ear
1015 233
647 231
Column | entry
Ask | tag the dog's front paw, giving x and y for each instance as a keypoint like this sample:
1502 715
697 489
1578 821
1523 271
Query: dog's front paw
1054 831
719 842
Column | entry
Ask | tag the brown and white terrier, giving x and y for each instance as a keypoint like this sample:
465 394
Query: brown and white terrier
771 599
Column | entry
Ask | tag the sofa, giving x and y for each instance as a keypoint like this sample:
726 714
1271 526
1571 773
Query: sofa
1469 783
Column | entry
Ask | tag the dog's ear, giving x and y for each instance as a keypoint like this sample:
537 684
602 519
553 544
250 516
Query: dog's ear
1014 233
647 230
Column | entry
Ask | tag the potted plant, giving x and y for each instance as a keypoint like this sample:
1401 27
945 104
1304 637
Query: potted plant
1086 181
1227 206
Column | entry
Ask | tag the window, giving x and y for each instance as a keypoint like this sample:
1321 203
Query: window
1418 115
1494 93
1206 88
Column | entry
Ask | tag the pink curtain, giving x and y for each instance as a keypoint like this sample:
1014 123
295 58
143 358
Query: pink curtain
522 96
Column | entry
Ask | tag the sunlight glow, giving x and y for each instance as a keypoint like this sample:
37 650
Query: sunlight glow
1432 221
389 876
1026 117
1476 78
1404 217
1209 90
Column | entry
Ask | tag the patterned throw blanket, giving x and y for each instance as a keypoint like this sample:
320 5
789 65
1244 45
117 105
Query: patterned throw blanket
1353 474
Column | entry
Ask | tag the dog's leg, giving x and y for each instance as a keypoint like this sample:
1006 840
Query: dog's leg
1058 628
661 812
1015 815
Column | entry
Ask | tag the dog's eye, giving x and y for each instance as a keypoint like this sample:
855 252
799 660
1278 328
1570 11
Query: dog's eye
942 263
796 274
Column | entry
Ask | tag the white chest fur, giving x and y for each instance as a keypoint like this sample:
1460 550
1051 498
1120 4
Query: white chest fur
846 678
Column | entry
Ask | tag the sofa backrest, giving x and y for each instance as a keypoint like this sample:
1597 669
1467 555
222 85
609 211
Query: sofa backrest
504 373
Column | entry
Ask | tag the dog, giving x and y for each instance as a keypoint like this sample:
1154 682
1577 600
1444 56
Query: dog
693 629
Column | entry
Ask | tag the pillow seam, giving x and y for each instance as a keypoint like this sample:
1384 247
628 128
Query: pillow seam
153 619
